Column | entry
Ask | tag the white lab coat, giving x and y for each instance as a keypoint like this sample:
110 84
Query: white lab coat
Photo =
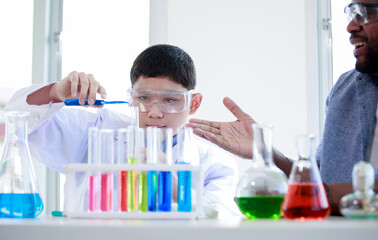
58 135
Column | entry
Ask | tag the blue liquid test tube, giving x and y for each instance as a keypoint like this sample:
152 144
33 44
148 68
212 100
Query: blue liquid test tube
153 153
187 153
165 178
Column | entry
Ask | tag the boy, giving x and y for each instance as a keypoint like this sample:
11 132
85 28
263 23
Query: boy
162 78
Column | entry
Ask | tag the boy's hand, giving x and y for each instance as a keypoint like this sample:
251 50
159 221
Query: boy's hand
77 85
236 137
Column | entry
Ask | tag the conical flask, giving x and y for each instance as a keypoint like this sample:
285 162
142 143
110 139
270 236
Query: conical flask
19 195
363 202
261 189
306 197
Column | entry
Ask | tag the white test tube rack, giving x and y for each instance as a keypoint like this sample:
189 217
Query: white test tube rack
72 210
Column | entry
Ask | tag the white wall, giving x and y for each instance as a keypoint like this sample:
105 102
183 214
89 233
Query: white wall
252 51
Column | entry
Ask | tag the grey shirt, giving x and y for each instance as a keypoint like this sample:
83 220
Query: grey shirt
350 112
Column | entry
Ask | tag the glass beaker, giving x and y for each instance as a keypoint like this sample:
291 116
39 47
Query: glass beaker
363 202
261 189
19 194
306 197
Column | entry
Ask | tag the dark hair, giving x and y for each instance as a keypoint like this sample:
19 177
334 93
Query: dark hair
165 60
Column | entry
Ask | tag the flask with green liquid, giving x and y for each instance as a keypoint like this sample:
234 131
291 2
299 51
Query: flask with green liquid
261 189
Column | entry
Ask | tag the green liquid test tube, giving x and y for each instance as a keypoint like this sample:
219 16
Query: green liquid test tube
142 192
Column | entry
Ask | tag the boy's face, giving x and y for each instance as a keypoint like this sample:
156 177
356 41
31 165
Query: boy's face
155 116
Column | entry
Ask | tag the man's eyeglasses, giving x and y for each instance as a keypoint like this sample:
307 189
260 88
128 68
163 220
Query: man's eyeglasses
361 13
168 101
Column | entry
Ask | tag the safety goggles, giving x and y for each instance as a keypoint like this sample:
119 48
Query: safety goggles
168 101
361 13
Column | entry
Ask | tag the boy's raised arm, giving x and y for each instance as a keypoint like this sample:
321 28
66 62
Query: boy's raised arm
75 85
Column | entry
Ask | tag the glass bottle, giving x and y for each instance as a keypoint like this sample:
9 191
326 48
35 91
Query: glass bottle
363 202
19 194
306 197
261 189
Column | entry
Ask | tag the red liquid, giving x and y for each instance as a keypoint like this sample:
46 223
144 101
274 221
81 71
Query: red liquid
305 201
122 191
106 188
93 193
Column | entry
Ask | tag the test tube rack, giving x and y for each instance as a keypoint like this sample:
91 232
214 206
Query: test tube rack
73 210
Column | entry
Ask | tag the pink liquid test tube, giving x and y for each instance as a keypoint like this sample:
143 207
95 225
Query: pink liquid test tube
93 176
106 137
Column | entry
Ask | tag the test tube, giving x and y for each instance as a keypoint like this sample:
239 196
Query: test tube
122 175
93 176
153 153
106 143
187 153
142 175
165 178
132 158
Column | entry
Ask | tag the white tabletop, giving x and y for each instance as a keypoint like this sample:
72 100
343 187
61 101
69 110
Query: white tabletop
56 228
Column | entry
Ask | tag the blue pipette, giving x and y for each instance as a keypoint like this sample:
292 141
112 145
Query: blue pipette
75 102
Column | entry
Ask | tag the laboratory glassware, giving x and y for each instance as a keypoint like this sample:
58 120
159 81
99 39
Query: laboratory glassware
122 175
306 197
363 202
142 175
75 102
133 153
165 177
187 154
93 153
19 194
106 155
154 152
261 189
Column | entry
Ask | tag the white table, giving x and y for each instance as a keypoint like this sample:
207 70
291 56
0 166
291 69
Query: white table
56 228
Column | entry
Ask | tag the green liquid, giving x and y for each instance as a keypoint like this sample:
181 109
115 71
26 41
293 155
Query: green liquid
142 192
260 206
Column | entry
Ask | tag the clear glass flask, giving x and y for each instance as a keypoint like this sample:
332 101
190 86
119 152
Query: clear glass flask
19 194
261 189
363 202
306 197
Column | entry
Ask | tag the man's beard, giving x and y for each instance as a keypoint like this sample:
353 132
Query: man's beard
370 65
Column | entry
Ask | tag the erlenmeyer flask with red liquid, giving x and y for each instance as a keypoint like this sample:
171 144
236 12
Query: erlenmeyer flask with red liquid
306 197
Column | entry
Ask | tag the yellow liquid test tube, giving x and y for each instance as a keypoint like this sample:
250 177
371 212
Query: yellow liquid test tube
132 187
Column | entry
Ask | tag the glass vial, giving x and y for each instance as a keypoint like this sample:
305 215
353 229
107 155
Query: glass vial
106 143
306 198
154 151
165 178
363 202
19 194
122 175
187 154
93 151
261 189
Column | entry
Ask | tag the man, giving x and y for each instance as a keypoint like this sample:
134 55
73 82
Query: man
350 132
